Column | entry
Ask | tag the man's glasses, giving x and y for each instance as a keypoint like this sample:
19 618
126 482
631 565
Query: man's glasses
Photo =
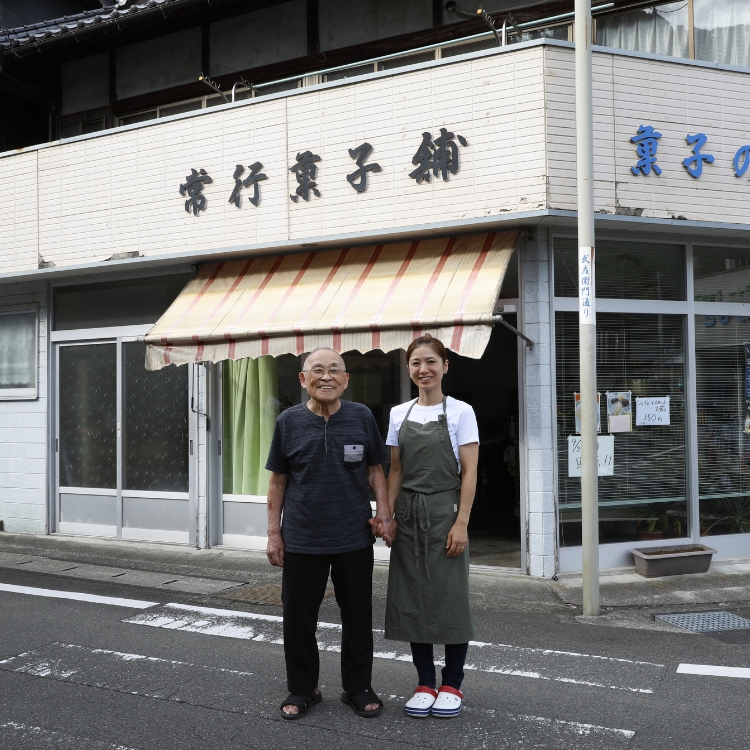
319 372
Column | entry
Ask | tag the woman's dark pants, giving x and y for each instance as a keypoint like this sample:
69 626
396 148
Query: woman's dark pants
453 671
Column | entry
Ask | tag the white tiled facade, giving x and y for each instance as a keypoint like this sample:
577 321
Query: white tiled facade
23 432
539 408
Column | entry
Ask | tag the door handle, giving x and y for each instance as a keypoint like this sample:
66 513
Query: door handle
191 447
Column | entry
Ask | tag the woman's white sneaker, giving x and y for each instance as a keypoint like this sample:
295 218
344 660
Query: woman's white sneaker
448 703
421 702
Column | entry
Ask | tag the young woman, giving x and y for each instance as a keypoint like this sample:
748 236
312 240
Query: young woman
434 452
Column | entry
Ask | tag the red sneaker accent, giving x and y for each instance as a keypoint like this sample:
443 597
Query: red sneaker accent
449 689
425 689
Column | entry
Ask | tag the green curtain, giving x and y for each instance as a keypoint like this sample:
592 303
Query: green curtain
251 405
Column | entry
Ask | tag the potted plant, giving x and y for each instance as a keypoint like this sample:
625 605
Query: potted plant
658 522
733 513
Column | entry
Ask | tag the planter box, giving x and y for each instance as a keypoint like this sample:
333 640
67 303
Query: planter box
671 561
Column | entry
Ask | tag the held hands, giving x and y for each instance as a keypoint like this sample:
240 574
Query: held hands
384 527
458 538
275 550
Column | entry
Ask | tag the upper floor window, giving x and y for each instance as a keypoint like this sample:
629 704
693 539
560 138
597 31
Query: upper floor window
712 30
661 30
722 31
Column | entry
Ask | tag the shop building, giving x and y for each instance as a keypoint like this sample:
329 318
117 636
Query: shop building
164 271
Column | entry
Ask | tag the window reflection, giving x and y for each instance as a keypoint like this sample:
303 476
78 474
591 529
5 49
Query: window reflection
721 274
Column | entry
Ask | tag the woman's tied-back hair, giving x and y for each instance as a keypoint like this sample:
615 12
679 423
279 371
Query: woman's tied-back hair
427 340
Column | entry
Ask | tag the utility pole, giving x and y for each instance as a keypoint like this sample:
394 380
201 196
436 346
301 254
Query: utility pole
587 307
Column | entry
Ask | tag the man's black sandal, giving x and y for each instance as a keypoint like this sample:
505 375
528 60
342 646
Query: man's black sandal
358 699
302 702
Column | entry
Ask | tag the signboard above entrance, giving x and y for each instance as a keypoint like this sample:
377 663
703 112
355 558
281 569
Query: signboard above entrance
439 158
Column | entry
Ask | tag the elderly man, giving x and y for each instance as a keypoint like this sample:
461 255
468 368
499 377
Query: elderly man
323 456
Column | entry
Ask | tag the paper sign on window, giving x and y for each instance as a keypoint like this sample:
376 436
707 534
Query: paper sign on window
619 408
652 411
606 455
577 397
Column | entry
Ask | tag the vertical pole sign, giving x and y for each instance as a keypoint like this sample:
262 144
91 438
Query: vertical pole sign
586 307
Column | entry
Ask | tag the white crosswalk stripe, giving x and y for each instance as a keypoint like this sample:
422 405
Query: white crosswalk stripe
76 596
710 670
534 663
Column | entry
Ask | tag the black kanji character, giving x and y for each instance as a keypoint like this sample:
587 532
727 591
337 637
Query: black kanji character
439 156
252 179
193 187
305 171
358 178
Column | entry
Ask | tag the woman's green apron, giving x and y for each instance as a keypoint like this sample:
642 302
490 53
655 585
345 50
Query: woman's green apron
428 592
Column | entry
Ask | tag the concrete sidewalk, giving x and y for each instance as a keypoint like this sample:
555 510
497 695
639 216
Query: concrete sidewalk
627 599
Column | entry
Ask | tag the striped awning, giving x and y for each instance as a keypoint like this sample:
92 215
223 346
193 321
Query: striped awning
360 298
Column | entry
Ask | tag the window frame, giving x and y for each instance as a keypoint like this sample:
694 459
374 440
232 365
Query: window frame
24 394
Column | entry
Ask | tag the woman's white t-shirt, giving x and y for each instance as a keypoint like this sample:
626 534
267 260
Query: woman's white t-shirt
462 422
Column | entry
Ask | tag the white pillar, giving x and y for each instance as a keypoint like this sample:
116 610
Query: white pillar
586 301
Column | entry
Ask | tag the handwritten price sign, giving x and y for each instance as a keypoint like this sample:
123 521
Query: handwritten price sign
653 411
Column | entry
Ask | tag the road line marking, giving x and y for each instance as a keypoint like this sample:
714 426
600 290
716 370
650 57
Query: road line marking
714 671
58 740
249 615
578 727
573 668
55 594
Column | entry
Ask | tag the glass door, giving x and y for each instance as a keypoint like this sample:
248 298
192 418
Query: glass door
87 439
123 444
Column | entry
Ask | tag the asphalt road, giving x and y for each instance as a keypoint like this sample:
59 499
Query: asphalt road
182 671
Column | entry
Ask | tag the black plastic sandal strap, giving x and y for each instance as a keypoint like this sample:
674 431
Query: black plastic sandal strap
362 698
298 701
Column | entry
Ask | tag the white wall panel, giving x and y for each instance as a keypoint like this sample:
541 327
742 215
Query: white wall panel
118 192
23 430
676 98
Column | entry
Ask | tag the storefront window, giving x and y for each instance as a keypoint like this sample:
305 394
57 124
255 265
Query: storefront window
254 392
638 356
661 30
722 353
624 270
721 274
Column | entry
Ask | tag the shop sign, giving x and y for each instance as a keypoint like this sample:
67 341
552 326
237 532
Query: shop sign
647 144
605 452
437 157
